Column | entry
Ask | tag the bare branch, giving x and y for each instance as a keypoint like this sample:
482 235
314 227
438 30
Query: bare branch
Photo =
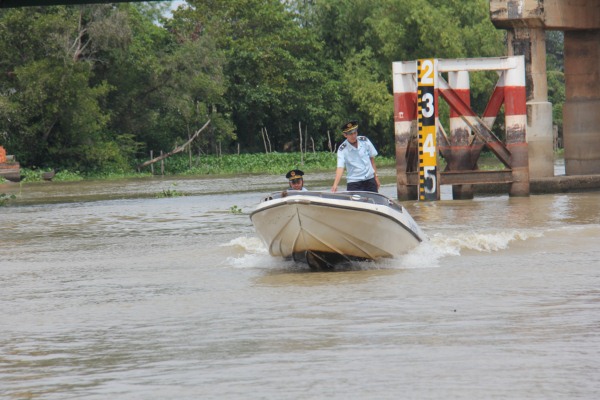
176 150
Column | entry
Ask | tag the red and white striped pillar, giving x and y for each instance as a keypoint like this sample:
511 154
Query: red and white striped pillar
493 106
460 157
515 110
405 120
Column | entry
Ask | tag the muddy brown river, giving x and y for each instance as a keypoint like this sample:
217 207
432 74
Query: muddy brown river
107 291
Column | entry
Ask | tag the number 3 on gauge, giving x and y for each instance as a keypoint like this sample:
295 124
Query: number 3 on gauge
427 104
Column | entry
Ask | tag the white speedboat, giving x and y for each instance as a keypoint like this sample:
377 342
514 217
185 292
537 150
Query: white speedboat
325 229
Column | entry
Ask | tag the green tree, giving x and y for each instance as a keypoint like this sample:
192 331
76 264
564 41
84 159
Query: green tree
556 76
273 68
169 85
88 87
95 86
50 111
363 38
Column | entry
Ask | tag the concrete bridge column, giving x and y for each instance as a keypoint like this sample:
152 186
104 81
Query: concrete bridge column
580 20
531 43
581 110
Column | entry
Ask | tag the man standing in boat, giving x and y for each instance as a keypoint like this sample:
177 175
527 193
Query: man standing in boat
357 155
296 180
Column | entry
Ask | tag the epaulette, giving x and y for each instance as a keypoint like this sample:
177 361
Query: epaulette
363 138
342 146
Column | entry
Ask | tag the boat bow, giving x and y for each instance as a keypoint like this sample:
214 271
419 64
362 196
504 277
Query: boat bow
325 229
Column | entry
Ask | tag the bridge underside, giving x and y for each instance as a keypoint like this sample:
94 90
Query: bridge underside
526 22
31 3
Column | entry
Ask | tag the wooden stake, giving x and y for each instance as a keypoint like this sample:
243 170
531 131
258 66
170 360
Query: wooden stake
300 133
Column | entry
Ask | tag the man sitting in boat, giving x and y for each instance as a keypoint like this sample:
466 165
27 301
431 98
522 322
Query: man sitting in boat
295 179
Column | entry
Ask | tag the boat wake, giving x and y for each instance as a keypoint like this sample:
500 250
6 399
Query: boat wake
479 241
250 252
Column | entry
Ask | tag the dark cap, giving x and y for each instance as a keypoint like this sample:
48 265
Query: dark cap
349 126
294 174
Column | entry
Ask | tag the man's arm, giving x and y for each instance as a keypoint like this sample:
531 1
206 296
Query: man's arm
375 170
338 175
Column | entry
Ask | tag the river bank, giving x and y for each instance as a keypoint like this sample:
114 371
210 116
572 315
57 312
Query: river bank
553 184
559 183
177 185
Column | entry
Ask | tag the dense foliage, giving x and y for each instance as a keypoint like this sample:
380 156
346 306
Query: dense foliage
96 87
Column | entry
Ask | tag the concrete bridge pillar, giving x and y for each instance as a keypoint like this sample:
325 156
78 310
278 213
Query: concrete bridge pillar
581 111
526 22
531 43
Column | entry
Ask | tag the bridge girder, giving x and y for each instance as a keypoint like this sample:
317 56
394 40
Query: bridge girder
34 3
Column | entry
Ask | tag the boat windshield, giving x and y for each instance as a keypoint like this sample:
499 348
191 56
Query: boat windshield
365 197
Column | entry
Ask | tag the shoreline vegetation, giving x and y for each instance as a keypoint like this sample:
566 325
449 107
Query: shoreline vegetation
230 164
227 164
100 89
181 165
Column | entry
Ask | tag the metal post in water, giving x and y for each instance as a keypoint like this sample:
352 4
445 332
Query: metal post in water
162 164
152 165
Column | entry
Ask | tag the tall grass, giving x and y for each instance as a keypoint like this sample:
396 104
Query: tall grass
228 164
271 163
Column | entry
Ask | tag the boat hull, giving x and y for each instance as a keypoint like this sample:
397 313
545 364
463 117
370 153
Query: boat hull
327 229
11 171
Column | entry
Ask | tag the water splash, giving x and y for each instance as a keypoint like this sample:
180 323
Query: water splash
252 253
478 241
247 244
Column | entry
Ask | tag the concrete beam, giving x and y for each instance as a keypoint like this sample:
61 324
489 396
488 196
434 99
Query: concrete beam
508 14
35 3
565 15
562 15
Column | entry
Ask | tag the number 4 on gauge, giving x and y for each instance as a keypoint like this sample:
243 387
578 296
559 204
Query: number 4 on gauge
429 146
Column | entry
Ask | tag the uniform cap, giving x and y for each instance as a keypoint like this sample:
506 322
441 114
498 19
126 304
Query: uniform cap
294 174
350 126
